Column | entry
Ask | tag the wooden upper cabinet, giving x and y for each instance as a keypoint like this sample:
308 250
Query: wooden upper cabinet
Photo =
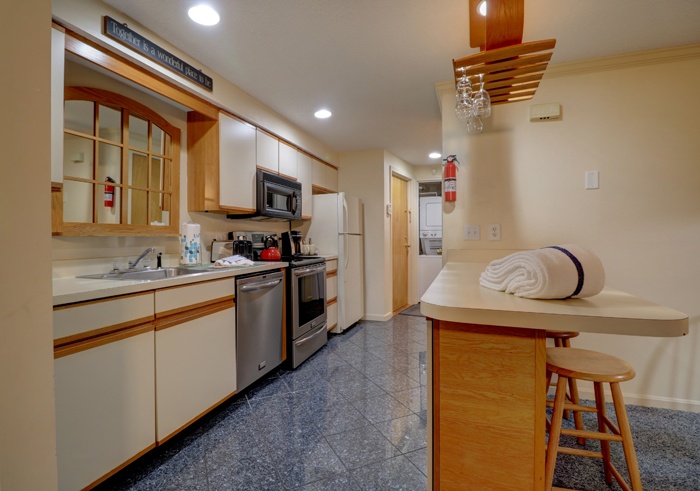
288 161
267 151
221 156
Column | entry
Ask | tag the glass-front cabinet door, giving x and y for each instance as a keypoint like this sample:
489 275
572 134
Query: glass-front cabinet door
120 167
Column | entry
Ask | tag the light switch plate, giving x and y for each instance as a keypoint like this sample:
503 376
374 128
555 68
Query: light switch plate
471 232
592 179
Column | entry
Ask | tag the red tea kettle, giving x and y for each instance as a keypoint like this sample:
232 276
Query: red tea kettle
270 253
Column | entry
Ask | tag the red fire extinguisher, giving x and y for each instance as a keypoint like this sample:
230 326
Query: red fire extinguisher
109 192
450 177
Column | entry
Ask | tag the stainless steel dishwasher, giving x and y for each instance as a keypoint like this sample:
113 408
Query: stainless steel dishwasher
259 328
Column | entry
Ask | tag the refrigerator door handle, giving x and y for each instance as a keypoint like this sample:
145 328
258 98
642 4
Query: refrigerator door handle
346 252
346 225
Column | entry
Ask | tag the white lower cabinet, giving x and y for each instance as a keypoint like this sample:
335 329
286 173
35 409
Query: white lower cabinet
105 402
195 365
332 293
133 370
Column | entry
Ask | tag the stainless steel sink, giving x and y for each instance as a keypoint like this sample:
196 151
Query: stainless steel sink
145 274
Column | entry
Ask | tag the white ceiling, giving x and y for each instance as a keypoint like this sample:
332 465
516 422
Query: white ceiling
375 63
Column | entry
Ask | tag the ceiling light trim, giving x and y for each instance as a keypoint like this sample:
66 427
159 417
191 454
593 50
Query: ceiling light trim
204 15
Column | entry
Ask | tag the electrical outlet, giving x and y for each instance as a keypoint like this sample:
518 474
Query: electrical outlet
471 232
495 231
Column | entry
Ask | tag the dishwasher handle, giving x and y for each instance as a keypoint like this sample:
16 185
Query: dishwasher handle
260 286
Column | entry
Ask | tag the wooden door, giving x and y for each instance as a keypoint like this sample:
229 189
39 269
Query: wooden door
399 242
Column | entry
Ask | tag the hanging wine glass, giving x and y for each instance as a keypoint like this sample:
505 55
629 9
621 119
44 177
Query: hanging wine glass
464 105
482 100
475 125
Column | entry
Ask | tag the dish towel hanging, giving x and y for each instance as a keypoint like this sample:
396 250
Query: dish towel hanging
555 272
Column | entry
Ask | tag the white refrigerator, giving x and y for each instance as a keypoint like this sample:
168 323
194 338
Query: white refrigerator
336 228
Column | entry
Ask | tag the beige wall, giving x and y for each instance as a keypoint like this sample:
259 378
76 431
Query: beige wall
81 255
85 255
86 16
27 427
361 175
638 125
367 174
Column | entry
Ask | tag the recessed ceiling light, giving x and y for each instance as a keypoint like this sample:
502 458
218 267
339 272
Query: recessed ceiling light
322 114
204 14
481 8
434 155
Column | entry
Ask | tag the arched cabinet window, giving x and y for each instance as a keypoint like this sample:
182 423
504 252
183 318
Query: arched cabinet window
120 167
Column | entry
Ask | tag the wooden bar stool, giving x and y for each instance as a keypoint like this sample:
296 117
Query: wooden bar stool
598 368
562 339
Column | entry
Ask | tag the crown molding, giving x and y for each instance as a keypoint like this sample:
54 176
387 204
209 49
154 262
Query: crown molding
626 60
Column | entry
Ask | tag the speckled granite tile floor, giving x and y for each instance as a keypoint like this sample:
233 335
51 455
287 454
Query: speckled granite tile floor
352 417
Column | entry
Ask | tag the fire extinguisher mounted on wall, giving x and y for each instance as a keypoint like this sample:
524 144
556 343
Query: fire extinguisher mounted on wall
109 192
450 178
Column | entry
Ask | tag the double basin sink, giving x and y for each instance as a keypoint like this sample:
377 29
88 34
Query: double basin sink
146 274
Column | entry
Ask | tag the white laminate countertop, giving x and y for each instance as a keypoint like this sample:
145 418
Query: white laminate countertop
72 289
456 296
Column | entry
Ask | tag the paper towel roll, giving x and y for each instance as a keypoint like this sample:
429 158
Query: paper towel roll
190 244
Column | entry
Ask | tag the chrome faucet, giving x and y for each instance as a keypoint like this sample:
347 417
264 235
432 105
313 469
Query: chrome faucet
132 264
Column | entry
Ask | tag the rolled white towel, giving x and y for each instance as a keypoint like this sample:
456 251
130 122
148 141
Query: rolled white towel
233 261
564 271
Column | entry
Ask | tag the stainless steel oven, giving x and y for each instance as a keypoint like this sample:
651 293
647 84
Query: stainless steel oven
307 308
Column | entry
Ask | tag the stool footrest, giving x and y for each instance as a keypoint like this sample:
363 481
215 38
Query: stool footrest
580 452
573 407
594 435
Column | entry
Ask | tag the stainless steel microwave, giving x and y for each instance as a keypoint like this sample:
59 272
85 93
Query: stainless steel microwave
277 197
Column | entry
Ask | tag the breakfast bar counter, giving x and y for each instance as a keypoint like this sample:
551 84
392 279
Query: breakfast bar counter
487 364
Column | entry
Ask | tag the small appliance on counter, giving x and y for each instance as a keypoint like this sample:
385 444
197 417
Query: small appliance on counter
256 239
241 245
270 251
221 249
291 243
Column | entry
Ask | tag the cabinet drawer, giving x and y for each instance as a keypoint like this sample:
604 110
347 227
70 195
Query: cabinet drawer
73 322
331 266
177 299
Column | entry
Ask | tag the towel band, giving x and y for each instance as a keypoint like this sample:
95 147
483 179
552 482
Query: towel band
579 269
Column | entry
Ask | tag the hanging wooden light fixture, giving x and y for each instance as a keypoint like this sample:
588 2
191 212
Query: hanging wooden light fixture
512 69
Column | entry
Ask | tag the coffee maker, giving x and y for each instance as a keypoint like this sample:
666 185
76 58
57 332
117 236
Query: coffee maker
291 243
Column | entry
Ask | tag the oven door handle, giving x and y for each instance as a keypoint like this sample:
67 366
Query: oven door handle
298 273
260 286
309 338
